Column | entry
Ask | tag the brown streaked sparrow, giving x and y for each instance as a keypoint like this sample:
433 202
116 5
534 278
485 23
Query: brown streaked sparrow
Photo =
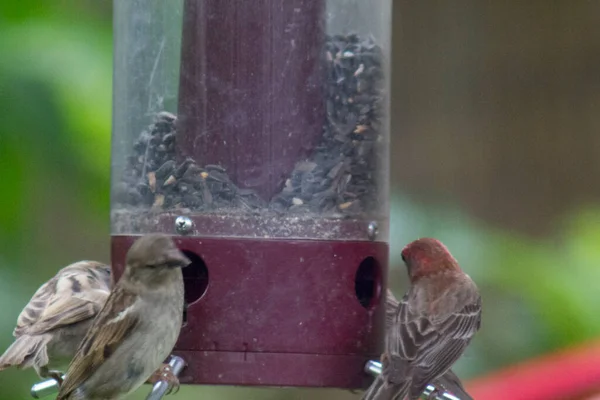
52 324
136 329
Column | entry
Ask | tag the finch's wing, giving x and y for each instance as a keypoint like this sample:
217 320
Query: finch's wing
74 295
426 345
116 321
391 309
451 338
410 330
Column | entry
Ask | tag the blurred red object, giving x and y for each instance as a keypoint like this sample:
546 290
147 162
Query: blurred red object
569 374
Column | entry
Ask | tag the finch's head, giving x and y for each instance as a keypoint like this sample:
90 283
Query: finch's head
427 256
153 257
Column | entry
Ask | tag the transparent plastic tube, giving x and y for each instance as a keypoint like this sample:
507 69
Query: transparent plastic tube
252 119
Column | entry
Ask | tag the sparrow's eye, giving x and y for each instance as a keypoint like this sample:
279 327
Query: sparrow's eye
173 263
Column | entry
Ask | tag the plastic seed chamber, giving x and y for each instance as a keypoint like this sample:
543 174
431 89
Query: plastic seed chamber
257 134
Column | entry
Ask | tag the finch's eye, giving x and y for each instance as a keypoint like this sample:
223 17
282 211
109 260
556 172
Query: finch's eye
403 258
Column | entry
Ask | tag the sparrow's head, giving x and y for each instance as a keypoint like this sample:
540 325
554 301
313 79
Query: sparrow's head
154 256
427 256
97 275
104 273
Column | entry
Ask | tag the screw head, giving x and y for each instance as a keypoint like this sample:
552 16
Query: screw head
372 230
183 225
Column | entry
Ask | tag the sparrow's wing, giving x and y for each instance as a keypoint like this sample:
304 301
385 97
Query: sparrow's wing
35 308
116 321
74 295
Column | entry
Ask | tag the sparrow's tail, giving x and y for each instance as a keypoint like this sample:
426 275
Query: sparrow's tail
27 351
382 390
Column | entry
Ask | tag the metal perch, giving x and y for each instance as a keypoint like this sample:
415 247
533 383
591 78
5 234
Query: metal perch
45 388
374 368
50 386
160 388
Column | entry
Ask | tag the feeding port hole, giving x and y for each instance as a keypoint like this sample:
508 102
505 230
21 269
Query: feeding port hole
367 283
195 278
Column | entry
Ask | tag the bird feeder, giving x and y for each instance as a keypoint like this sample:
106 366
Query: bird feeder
257 134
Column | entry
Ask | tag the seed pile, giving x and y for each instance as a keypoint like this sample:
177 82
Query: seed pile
338 179
154 179
340 175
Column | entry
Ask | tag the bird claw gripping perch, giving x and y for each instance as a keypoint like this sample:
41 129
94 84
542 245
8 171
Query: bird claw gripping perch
160 388
163 387
431 392
44 388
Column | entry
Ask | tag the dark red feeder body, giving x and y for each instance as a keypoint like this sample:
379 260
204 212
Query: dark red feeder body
270 169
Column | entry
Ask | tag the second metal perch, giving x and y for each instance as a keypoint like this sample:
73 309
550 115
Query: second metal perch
374 368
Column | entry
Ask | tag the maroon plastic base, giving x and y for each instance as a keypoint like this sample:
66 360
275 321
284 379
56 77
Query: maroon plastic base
275 369
279 312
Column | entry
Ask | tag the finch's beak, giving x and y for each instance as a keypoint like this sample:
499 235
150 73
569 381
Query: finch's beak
176 259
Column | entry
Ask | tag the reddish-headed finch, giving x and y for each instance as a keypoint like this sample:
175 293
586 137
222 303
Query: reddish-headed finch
433 323
449 382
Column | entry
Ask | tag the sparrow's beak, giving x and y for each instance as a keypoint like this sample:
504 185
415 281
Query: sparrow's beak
177 259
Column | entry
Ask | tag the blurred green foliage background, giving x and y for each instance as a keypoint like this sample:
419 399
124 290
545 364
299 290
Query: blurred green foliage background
540 291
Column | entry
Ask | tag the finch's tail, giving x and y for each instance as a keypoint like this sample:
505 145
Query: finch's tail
382 390
27 351
451 383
